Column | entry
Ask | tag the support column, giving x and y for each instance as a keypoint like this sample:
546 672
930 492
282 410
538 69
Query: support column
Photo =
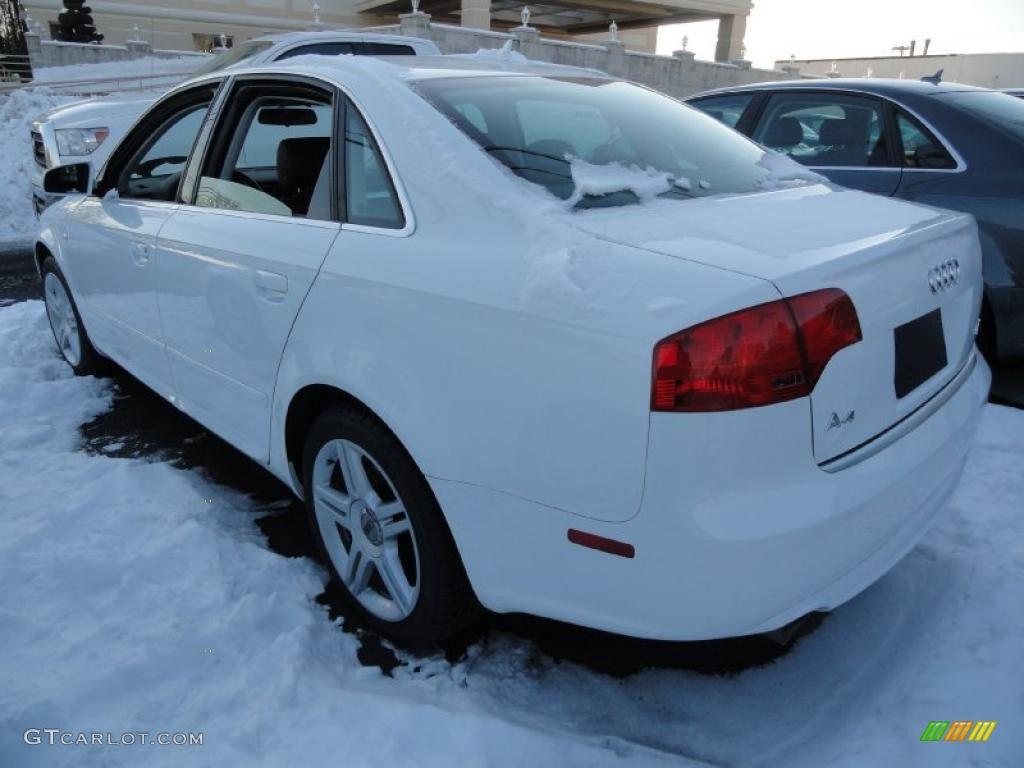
731 30
476 14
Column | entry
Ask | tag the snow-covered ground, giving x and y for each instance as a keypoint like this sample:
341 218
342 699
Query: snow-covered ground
139 597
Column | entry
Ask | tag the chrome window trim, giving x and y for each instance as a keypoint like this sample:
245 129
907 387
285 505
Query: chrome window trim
396 180
269 217
857 168
856 94
961 164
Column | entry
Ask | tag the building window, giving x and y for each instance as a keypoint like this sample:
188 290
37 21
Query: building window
209 42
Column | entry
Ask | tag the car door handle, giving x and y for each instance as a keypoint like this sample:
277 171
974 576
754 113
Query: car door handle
271 284
140 254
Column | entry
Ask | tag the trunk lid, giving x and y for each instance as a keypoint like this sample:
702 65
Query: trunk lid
913 274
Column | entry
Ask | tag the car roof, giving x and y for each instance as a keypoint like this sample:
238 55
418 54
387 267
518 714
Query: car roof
876 85
337 35
413 68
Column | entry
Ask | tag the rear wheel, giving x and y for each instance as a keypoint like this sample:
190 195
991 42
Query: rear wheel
66 324
381 531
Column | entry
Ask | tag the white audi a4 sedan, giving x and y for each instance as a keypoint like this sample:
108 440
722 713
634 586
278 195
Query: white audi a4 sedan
532 338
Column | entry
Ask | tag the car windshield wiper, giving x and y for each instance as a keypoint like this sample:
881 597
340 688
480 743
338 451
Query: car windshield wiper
526 152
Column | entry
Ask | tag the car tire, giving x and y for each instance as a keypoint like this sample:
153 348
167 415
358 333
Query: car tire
66 324
986 338
381 532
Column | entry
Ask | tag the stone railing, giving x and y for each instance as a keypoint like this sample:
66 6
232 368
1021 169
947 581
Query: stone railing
677 75
51 53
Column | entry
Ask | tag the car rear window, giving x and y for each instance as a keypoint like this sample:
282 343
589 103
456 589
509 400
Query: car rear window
999 109
726 109
355 48
545 129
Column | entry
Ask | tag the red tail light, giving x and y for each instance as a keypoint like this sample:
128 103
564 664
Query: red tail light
758 356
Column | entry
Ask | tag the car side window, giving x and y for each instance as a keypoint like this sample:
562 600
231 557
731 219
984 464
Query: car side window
387 49
369 193
340 48
275 157
155 170
825 130
320 49
726 109
920 148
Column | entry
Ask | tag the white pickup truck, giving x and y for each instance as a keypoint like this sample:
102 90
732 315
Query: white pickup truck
88 131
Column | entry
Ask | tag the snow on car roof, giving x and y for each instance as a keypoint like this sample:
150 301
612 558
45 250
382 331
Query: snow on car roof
482 63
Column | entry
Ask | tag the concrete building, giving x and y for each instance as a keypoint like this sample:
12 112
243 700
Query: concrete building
986 70
197 24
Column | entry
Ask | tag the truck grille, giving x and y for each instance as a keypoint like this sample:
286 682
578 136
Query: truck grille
39 149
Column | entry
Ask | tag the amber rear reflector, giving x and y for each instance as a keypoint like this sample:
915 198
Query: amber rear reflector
600 543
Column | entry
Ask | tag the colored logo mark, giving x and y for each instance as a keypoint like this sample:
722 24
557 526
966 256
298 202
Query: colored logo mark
958 730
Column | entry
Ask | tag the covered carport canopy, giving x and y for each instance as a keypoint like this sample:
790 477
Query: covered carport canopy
579 17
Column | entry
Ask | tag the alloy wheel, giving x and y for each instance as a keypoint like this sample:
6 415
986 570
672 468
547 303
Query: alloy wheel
61 314
366 530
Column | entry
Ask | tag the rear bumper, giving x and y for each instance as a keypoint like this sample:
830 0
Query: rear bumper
739 531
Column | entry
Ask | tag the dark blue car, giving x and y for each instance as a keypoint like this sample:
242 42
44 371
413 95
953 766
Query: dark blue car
947 145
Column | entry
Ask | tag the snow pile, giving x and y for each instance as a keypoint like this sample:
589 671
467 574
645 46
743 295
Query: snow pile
503 55
131 603
151 65
591 179
783 172
17 111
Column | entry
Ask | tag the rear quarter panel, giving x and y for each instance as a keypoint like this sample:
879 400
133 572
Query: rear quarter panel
991 189
505 348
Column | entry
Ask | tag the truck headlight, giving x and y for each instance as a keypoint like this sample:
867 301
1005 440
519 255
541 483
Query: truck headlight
79 141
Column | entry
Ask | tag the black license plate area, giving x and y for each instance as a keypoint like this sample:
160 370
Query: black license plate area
920 352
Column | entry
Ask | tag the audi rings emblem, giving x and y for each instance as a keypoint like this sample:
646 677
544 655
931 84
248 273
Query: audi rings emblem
944 276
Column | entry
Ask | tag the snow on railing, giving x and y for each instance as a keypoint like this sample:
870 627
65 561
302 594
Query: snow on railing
102 85
14 69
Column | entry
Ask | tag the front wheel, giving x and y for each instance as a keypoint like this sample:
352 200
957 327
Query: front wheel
66 324
381 531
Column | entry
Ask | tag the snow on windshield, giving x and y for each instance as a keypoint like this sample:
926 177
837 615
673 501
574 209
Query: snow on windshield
597 180
785 172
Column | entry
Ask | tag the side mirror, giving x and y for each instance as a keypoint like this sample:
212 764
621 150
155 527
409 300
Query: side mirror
68 179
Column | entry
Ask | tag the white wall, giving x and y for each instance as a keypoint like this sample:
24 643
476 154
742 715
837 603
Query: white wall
987 70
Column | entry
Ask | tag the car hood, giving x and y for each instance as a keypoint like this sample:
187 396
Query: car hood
767 234
94 113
